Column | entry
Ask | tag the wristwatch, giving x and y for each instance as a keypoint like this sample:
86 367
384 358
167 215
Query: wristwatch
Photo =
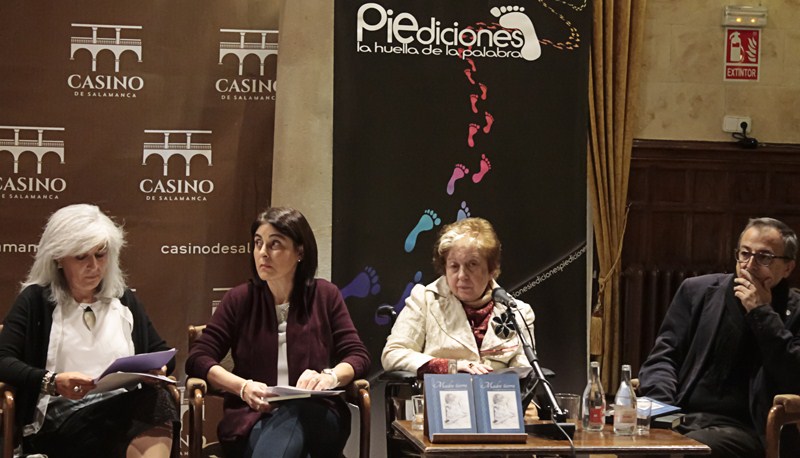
49 384
332 374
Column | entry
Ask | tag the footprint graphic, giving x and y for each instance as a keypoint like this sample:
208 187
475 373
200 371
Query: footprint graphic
471 64
468 72
512 17
401 302
489 122
483 90
364 284
463 212
473 99
459 172
485 167
427 221
473 129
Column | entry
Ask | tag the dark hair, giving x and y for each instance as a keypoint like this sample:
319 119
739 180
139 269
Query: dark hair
294 225
787 234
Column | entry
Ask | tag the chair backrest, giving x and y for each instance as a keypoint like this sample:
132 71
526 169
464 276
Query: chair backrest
196 331
785 411
7 414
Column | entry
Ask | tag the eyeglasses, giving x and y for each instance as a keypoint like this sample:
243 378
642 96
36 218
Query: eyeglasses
764 259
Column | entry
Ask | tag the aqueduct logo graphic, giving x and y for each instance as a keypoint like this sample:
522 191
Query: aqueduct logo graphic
19 140
180 189
263 44
97 45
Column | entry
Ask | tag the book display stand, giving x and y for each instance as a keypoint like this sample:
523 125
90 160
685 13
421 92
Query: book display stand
463 408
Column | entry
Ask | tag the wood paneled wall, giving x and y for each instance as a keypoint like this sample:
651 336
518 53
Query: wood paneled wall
688 203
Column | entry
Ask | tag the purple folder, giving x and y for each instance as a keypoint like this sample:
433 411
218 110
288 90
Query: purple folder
143 362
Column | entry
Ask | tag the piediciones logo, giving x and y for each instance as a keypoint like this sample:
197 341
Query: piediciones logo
25 143
108 38
177 189
262 45
380 30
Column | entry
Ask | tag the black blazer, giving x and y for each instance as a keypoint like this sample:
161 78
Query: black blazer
687 336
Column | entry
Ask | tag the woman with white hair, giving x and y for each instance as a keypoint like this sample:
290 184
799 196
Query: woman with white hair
74 317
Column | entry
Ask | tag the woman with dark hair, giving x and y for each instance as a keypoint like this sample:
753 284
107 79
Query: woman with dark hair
74 317
284 327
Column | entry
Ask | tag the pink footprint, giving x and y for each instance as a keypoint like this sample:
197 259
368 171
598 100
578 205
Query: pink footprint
483 90
473 129
471 64
485 167
468 72
460 53
489 122
458 173
474 99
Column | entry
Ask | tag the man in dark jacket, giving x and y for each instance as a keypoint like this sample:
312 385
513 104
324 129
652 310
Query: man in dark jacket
729 343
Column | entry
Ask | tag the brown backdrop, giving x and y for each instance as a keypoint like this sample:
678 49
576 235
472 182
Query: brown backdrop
103 82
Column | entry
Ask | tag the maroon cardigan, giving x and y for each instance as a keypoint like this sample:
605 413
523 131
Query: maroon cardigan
245 323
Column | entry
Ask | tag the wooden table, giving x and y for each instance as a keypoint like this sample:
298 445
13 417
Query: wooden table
658 442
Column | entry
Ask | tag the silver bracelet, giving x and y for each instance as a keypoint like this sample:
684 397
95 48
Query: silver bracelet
241 390
332 374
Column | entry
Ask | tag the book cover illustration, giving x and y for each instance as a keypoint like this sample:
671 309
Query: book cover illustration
449 405
497 403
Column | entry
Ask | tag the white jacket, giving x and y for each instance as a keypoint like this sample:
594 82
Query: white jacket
433 324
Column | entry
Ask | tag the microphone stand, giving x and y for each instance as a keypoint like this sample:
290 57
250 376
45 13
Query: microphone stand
559 427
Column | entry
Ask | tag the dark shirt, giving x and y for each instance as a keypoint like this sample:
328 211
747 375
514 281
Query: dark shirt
687 340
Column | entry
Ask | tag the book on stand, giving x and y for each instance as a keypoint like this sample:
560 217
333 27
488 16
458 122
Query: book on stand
473 408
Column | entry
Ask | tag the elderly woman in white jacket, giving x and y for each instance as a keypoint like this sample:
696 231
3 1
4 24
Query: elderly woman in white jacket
447 326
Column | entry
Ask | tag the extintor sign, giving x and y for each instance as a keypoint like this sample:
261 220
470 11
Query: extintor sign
742 54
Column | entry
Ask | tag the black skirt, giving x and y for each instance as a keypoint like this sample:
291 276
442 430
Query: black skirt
105 428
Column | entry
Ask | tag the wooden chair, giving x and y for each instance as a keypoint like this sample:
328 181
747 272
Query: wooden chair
197 390
7 415
785 411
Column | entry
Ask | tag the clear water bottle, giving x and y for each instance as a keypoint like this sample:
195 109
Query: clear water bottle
593 406
625 405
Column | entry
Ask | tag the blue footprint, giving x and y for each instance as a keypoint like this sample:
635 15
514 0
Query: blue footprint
463 212
363 285
398 306
427 221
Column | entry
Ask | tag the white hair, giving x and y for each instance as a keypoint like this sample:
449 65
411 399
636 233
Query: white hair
72 231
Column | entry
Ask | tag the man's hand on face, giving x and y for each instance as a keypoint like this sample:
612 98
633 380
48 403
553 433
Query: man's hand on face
751 291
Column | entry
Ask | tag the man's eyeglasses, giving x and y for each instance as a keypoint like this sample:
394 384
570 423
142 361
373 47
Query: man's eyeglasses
764 259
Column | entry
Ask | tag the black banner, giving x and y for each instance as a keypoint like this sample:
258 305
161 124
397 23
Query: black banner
446 109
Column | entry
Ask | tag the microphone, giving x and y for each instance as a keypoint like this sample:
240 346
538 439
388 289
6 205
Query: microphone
500 295
503 326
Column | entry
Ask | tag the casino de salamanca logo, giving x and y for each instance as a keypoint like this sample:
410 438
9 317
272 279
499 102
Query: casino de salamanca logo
174 189
242 87
23 142
380 30
100 84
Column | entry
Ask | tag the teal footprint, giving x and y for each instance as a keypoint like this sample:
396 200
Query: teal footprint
427 221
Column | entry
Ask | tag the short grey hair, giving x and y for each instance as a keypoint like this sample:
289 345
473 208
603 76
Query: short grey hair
72 231
787 234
